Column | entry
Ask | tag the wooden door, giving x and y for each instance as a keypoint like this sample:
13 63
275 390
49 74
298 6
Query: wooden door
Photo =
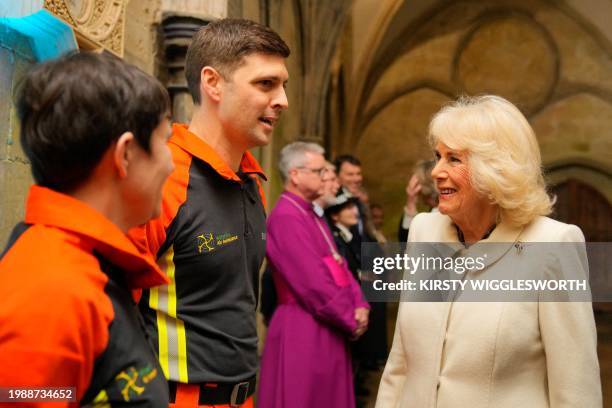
582 205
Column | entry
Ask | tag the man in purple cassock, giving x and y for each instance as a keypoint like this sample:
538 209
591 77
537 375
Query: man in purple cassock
306 361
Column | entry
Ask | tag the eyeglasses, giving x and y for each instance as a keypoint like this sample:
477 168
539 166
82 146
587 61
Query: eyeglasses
320 171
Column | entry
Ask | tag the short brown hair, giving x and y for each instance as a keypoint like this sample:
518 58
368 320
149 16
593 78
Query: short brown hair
223 43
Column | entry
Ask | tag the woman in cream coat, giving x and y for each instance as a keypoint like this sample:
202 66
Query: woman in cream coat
495 354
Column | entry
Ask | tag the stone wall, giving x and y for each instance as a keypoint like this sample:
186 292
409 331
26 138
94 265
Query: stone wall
542 56
96 25
312 29
397 62
15 176
141 38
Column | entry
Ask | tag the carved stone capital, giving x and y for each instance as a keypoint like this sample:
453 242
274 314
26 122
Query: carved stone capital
177 32
97 23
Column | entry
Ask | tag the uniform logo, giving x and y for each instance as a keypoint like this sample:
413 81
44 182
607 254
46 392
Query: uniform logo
205 242
208 242
132 382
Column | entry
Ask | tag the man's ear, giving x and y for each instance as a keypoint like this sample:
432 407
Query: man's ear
293 173
210 81
123 153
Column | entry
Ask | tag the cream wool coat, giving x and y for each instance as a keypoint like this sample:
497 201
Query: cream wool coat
493 355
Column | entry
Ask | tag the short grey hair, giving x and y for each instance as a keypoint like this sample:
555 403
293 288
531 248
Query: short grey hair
294 155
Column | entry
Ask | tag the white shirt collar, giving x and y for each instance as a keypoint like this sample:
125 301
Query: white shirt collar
318 209
346 235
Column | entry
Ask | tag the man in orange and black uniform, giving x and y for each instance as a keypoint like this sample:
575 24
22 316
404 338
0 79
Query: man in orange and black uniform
95 131
210 238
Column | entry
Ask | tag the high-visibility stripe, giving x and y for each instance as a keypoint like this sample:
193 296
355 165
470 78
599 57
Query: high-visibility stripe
170 270
157 300
153 298
162 350
170 329
162 336
182 351
101 400
172 337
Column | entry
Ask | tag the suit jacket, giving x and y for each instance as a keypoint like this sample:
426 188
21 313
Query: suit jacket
351 251
494 354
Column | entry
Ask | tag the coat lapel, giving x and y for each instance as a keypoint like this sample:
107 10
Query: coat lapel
499 242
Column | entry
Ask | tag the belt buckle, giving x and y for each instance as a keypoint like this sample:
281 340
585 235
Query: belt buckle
239 394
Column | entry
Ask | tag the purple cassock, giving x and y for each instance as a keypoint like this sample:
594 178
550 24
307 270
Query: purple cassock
306 360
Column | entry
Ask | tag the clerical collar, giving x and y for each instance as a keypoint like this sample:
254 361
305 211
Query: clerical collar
318 209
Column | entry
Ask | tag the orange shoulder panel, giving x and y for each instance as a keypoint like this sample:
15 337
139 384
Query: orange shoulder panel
55 314
151 236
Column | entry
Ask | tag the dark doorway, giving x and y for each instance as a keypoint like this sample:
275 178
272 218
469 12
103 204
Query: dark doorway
582 205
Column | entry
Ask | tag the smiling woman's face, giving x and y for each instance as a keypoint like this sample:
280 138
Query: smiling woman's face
458 199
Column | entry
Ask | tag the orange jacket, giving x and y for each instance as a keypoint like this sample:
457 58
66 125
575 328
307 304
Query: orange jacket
55 312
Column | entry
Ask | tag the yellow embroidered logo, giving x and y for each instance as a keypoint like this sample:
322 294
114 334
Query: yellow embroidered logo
226 239
132 382
208 242
205 242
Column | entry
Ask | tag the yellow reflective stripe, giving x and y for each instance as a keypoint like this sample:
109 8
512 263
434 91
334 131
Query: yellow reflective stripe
101 400
181 339
170 269
153 297
182 351
161 330
162 335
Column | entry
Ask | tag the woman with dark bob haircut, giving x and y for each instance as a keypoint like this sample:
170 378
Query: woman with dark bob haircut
95 130
493 200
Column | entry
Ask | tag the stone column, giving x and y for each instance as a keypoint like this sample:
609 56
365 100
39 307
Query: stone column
177 33
29 33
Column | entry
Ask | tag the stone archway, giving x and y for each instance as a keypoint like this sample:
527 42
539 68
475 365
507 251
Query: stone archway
542 57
